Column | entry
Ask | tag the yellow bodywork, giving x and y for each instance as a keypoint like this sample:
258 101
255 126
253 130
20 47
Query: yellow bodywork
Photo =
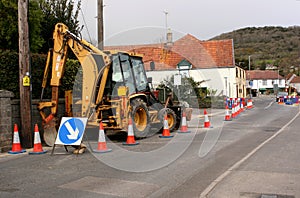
64 40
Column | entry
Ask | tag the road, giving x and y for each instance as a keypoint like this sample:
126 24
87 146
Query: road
256 153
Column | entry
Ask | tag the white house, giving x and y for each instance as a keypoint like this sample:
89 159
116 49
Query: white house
263 81
209 62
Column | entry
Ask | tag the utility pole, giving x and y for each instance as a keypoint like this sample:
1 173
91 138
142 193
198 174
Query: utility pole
100 24
24 74
250 94
249 62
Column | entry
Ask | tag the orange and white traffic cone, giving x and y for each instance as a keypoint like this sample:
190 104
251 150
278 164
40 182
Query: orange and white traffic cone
16 146
233 110
37 147
249 104
206 120
242 104
184 127
227 114
238 106
130 135
280 101
102 147
166 130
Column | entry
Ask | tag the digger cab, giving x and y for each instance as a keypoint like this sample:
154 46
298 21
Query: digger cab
127 71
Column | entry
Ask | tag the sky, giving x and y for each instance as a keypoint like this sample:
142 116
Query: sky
144 21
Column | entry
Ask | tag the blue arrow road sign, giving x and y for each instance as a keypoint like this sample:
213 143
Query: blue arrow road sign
71 131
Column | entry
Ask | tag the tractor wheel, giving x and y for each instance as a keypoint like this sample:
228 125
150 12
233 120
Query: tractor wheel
140 118
171 116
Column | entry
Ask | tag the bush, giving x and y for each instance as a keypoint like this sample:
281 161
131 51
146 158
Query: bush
204 102
216 102
9 74
9 71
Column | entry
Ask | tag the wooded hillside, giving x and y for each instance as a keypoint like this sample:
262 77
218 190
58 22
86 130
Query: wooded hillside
278 46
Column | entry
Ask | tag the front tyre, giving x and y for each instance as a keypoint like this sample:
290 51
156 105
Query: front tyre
141 118
171 117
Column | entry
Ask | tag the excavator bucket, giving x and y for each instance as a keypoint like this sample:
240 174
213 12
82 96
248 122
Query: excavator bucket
50 133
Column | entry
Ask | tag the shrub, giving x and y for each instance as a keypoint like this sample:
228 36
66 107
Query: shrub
9 74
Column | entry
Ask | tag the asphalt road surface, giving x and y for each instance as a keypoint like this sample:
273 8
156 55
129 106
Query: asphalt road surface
255 155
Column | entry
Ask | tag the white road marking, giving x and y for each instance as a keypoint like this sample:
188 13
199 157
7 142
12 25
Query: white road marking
237 164
269 105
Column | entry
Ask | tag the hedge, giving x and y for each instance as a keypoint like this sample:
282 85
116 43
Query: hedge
9 74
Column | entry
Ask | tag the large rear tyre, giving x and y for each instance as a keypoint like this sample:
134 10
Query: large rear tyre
171 116
141 118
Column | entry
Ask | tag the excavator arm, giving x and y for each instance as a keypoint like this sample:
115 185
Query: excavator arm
94 63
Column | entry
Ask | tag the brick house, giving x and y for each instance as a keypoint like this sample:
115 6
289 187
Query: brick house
209 62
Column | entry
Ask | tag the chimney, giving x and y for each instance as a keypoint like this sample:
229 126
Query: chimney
169 37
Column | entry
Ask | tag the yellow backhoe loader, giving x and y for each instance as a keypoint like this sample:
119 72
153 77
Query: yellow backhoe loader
114 87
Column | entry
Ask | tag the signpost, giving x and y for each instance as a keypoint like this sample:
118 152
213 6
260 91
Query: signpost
70 131
177 83
275 88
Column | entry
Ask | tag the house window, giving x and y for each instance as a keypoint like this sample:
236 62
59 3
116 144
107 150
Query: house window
264 82
282 82
184 67
185 73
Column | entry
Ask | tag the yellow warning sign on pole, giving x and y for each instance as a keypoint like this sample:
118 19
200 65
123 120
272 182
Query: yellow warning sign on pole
26 81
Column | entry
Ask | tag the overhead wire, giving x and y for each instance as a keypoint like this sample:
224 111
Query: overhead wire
87 29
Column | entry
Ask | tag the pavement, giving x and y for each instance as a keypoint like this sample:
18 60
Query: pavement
270 171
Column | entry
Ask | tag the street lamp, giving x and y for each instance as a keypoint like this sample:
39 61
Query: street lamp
225 86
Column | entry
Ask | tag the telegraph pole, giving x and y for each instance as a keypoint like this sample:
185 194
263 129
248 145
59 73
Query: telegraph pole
100 24
24 74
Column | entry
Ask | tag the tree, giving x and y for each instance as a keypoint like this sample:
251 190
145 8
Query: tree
9 25
43 15
35 27
188 91
63 11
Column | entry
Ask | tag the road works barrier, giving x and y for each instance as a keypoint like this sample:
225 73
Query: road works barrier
295 100
102 147
130 135
235 106
288 100
233 110
37 147
16 145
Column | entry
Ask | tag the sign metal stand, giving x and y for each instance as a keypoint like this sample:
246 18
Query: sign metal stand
70 132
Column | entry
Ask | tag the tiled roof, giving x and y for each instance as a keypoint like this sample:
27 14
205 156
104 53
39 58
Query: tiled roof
296 79
262 75
288 76
201 54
